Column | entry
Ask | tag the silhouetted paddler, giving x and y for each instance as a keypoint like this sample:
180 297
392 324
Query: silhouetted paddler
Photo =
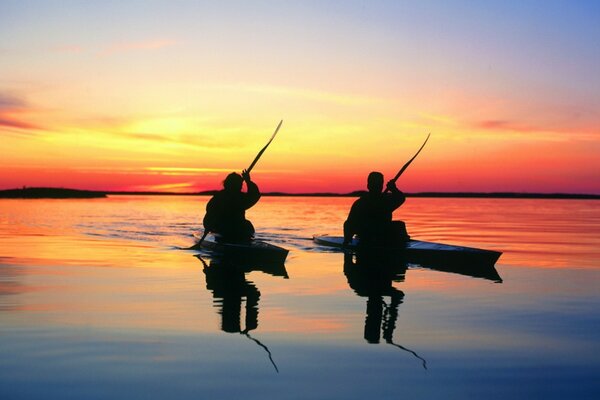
226 210
370 217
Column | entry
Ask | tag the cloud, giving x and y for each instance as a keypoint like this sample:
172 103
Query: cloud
559 131
214 140
8 122
147 45
10 102
184 170
11 109
505 125
181 187
148 136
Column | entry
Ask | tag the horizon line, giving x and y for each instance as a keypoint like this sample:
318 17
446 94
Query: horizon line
356 193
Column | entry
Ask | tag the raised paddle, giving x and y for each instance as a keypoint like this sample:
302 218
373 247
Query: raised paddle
260 153
409 161
264 148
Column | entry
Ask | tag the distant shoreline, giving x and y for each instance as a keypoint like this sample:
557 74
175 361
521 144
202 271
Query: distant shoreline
50 193
63 193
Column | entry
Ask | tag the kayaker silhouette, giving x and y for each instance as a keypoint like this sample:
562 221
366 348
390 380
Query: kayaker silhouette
226 210
370 217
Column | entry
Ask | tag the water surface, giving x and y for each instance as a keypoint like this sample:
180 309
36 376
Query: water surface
97 301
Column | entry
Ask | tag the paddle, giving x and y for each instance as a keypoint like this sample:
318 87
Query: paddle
260 153
409 161
245 333
264 148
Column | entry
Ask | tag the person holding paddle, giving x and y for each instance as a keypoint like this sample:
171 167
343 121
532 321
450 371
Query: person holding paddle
226 210
370 217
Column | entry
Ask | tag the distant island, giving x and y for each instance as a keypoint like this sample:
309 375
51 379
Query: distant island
62 193
49 193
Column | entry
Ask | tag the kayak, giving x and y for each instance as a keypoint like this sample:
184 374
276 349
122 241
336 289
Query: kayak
252 251
414 247
428 254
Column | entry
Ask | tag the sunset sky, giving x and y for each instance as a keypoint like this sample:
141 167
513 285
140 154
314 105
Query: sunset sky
173 95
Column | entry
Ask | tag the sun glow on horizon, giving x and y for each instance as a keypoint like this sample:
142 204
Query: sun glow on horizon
155 107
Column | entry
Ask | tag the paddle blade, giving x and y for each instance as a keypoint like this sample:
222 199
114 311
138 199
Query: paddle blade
198 244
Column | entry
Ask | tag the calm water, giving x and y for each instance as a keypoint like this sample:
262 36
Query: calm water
96 301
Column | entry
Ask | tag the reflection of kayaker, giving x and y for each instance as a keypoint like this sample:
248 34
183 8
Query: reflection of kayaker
372 277
230 288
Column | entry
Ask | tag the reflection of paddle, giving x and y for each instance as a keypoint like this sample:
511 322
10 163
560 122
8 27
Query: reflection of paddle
410 351
388 336
409 161
260 153
245 333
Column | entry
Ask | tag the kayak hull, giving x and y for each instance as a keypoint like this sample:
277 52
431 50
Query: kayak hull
443 257
252 251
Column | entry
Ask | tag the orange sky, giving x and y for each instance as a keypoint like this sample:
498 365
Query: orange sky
173 97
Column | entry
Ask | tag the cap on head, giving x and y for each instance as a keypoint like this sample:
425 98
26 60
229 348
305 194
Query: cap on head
375 182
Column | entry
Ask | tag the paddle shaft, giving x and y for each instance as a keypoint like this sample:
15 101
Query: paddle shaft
260 153
409 161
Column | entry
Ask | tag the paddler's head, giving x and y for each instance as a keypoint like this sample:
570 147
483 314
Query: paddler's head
233 182
375 182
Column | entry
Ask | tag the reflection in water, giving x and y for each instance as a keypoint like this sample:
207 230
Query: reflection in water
473 269
229 286
94 303
10 285
371 276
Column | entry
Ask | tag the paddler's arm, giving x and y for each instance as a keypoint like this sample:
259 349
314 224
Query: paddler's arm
253 194
350 224
397 198
209 217
348 234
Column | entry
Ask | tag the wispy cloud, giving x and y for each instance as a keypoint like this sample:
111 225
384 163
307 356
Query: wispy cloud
555 132
166 187
184 170
214 140
10 102
8 122
147 45
505 125
12 109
